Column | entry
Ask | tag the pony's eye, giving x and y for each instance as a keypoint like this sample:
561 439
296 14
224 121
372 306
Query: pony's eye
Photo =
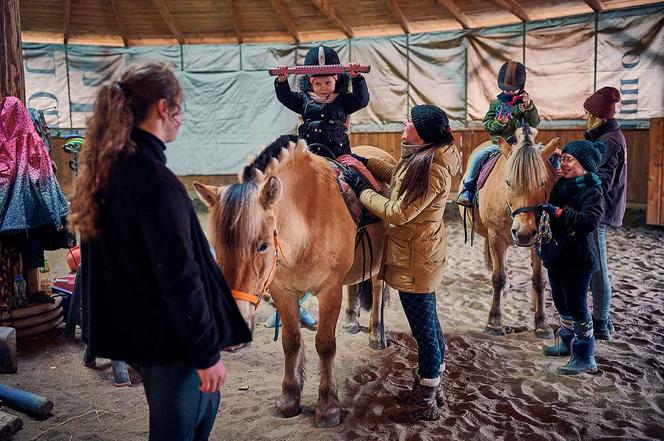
263 247
508 183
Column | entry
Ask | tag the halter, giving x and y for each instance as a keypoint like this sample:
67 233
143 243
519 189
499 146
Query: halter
518 211
535 208
255 299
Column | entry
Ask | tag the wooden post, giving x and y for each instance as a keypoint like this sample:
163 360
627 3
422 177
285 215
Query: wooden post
655 211
12 81
7 350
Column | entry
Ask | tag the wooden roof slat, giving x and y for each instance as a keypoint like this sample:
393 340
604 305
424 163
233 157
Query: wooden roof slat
121 26
327 10
67 19
132 22
596 5
457 13
515 8
399 15
287 19
167 17
237 23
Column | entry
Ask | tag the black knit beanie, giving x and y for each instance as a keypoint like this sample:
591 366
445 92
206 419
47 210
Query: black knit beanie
432 124
588 154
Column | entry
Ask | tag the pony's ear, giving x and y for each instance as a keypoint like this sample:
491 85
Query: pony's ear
209 194
550 148
270 192
504 147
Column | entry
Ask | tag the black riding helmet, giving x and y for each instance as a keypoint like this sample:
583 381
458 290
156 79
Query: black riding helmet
322 56
512 76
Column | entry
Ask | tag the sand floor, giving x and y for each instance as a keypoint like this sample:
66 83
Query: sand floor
496 387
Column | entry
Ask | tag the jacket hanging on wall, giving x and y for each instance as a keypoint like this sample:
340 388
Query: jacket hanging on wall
30 195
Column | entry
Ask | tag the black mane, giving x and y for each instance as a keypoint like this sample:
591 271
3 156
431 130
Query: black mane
269 152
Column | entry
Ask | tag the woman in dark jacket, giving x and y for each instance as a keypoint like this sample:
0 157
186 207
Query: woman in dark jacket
154 294
600 108
575 207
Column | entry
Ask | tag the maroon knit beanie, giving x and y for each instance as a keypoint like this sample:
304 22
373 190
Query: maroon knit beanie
602 103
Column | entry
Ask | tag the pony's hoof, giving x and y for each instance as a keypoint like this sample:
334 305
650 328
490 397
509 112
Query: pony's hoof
351 328
331 420
287 412
494 330
287 407
544 333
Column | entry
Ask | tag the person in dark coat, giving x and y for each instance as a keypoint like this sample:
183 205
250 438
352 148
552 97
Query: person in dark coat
154 294
324 103
575 209
600 109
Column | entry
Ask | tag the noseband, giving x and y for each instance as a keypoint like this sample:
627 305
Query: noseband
521 210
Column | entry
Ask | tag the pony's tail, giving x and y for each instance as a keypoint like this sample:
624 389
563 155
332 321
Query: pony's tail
487 255
365 294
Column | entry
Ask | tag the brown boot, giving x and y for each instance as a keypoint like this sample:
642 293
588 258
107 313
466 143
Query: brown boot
422 407
407 396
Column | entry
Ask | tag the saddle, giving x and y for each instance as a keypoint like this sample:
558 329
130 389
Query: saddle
348 164
485 171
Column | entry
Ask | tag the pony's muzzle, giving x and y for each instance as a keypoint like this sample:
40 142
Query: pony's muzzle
523 240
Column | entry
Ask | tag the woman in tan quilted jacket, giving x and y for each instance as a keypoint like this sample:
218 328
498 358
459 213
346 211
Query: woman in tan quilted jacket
416 247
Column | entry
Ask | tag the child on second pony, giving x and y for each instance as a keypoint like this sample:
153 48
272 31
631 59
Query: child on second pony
507 113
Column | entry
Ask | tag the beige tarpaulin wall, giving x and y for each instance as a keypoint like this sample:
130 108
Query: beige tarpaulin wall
630 57
231 109
488 49
559 65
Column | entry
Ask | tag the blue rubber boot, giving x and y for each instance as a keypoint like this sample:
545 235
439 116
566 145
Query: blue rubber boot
601 329
306 319
467 195
583 358
120 374
563 338
562 347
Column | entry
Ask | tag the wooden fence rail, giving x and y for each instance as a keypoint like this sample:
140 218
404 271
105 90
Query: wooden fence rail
467 140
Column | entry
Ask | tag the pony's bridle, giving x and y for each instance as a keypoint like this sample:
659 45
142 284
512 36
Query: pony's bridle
518 211
255 299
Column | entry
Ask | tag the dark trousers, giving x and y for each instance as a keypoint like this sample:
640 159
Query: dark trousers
421 313
570 295
178 410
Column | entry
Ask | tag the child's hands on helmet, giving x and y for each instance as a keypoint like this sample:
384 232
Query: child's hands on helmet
525 99
283 73
525 103
352 66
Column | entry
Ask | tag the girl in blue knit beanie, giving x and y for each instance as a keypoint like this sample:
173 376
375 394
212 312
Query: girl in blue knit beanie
571 256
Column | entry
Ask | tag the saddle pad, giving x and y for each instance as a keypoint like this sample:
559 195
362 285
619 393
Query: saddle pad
349 161
485 171
360 215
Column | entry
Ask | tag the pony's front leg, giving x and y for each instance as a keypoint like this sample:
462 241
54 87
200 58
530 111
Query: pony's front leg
294 375
376 324
498 251
328 413
542 328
